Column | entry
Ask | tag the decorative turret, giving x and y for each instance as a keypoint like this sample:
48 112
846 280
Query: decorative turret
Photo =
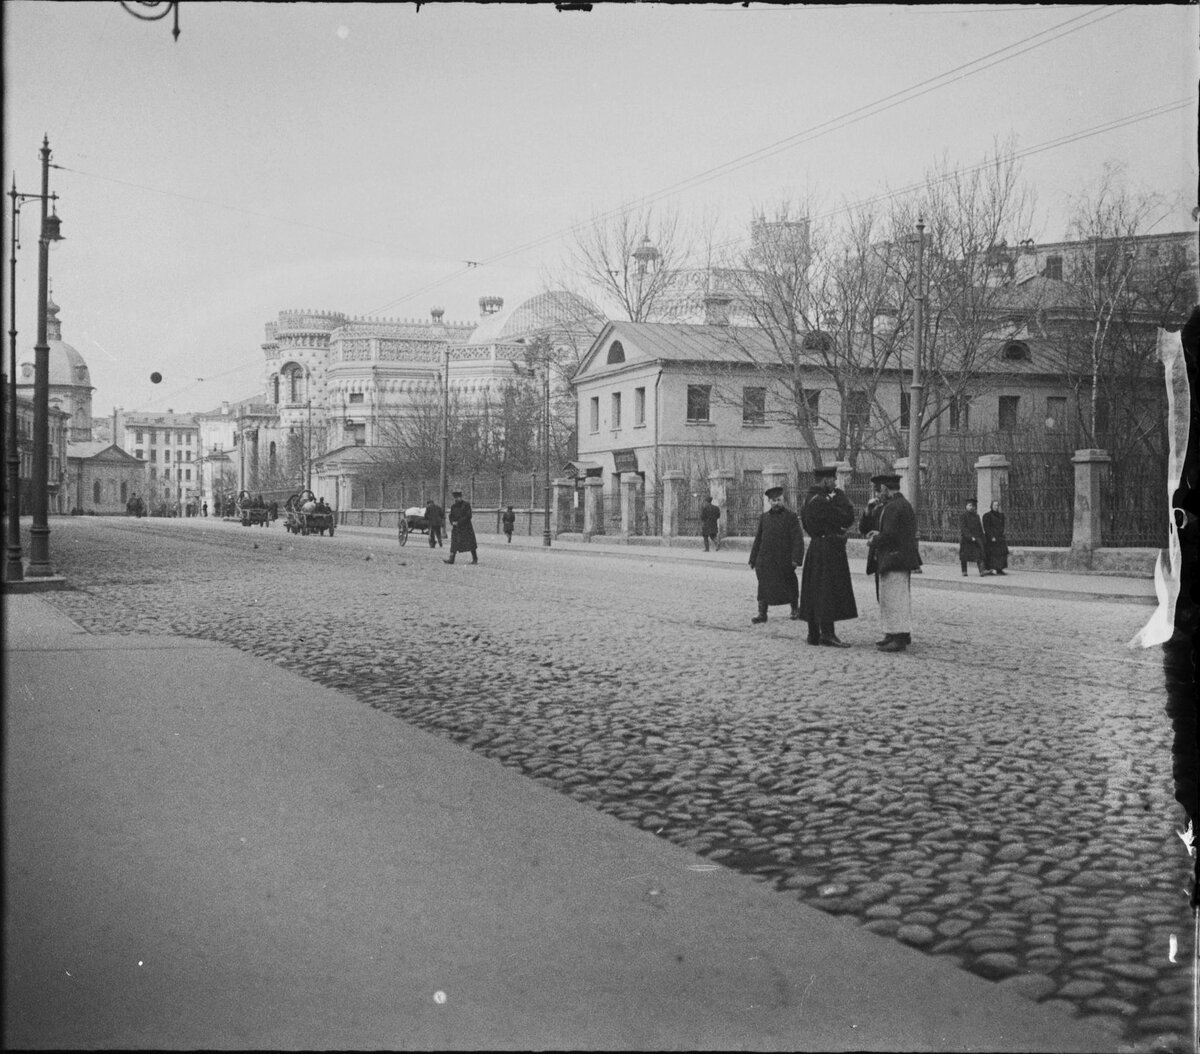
489 305
53 325
437 314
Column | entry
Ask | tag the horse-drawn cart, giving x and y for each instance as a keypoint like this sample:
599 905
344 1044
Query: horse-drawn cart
306 515
252 512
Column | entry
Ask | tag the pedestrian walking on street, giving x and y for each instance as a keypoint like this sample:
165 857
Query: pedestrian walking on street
970 539
710 515
995 547
826 592
508 520
777 551
462 533
892 556
434 517
204 509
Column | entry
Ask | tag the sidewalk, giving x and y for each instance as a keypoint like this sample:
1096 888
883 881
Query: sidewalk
203 850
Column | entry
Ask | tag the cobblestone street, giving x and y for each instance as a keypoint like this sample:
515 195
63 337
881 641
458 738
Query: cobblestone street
999 794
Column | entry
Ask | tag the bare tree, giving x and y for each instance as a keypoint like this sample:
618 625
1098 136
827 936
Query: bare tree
631 259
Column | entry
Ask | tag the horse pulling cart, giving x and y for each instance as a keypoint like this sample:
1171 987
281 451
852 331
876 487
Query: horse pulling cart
252 512
306 515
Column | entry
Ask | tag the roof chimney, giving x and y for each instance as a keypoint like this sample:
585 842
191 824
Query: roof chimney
716 309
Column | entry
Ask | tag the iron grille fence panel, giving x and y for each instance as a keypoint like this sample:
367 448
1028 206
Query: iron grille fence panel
1134 509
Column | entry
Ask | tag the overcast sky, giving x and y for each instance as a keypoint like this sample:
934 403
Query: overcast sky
354 157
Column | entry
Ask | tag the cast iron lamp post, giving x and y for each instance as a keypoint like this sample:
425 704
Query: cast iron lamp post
13 569
39 532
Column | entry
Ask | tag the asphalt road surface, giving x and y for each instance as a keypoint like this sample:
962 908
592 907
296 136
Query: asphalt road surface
1000 793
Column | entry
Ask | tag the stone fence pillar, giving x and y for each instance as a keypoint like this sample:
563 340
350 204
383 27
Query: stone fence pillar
631 491
719 482
991 475
776 476
674 487
593 507
1087 531
562 507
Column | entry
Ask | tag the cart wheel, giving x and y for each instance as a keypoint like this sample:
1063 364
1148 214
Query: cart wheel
403 530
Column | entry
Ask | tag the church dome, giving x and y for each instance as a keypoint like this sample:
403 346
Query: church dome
67 367
557 309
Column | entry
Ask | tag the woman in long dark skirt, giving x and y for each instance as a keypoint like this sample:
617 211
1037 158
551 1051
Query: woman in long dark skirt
995 547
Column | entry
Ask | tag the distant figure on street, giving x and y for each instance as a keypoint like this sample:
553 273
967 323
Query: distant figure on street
508 520
892 556
204 509
434 517
970 539
462 533
826 592
274 510
995 547
710 515
777 551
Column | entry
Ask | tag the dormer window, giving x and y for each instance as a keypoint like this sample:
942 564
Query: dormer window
1016 351
616 353
815 340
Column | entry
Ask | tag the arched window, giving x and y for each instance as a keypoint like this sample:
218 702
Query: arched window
616 353
271 458
96 491
124 490
1016 351
275 388
297 376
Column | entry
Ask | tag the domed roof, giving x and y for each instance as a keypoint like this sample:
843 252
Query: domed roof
553 310
67 367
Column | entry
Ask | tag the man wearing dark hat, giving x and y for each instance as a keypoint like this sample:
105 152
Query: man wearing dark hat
970 539
892 556
777 551
462 534
826 593
710 515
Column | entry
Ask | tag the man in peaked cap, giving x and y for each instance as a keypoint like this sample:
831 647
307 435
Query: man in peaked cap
777 551
826 592
892 556
970 539
462 534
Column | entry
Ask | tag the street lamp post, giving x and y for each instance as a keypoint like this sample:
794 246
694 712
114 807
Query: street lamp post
445 421
546 448
308 451
13 568
39 532
915 388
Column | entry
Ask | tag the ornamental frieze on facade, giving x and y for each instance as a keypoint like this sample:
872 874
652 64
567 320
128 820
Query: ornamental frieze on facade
303 340
409 350
354 350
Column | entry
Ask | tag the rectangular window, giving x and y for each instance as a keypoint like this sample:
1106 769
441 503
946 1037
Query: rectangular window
1009 406
594 413
754 406
153 437
960 414
166 473
153 456
1056 412
189 439
1054 267
188 475
616 409
139 453
154 473
639 406
137 435
812 399
698 399
356 397
858 409
905 409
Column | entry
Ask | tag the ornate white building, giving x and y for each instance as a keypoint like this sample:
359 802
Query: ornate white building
333 384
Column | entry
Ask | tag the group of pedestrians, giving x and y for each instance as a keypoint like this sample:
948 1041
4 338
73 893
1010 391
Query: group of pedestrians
462 533
981 540
824 594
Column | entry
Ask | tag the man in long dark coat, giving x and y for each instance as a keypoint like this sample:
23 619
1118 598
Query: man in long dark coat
777 551
462 534
826 592
710 516
970 539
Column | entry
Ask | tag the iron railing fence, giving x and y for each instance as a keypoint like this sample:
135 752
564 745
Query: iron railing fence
1134 508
